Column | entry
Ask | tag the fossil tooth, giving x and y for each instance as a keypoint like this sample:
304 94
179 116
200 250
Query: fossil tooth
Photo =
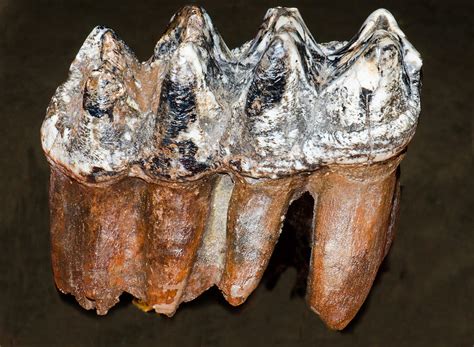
271 109
272 113
174 175
91 131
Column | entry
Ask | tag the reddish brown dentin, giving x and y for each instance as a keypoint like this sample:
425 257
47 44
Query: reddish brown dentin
255 217
137 237
97 239
353 227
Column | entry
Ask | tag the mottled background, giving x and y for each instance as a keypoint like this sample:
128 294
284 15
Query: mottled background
423 295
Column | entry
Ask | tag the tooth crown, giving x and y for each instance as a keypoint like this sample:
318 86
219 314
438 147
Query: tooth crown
278 105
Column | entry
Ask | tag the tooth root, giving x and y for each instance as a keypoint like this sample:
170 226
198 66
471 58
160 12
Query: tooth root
176 220
209 263
96 239
255 216
352 218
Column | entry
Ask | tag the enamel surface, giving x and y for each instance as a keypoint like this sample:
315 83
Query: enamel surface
280 104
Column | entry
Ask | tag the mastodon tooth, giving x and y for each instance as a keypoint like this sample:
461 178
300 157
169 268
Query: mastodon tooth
175 174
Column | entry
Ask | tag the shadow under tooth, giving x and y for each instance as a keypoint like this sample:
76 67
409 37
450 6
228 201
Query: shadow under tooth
255 216
176 218
352 217
97 237
207 268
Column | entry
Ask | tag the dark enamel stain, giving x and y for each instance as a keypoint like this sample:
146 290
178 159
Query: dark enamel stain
382 23
178 104
100 91
268 85
308 71
169 45
94 107
365 97
187 150
406 81
97 173
159 165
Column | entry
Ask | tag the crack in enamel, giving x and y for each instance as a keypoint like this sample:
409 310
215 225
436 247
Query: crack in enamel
278 105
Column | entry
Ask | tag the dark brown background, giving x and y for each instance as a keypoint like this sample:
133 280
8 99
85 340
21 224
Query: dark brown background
424 292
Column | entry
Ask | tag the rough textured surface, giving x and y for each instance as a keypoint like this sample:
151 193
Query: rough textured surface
421 295
174 175
97 237
352 218
256 214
